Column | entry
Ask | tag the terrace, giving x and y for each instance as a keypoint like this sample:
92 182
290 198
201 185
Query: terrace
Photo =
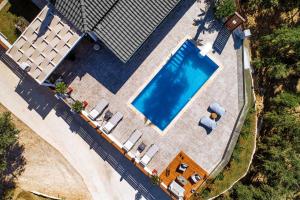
99 74
172 173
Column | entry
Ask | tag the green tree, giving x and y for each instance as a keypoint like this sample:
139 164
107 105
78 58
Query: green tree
224 8
8 138
275 171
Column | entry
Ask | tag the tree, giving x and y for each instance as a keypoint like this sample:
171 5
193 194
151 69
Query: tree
8 137
11 158
224 8
275 170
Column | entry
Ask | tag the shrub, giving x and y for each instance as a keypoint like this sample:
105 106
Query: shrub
61 88
224 8
220 176
77 106
155 180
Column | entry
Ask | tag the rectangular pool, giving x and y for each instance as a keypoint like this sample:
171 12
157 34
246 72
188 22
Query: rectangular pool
174 85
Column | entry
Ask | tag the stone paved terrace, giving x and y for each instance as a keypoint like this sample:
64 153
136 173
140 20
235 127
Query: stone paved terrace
95 75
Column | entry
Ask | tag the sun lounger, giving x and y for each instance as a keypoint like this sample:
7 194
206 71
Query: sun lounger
132 140
149 154
216 108
98 109
112 122
209 123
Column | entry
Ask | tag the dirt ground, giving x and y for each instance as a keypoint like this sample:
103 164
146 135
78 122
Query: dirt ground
46 170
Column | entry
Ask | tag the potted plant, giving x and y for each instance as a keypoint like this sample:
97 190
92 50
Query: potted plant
155 180
60 89
77 106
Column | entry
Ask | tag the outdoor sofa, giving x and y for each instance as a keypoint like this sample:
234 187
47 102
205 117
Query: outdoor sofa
216 108
208 123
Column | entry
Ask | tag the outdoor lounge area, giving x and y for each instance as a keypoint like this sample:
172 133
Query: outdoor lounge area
98 74
184 172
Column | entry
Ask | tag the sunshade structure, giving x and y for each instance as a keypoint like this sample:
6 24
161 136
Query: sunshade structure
44 44
122 25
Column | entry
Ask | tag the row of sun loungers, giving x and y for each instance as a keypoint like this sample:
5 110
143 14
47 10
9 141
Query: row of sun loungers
207 121
98 110
113 122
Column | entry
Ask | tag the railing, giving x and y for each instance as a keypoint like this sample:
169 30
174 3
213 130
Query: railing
244 107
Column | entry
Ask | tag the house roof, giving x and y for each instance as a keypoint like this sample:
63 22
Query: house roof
123 25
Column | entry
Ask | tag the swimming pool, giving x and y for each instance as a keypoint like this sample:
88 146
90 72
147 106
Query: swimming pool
174 85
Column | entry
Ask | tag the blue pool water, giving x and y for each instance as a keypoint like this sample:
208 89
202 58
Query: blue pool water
174 85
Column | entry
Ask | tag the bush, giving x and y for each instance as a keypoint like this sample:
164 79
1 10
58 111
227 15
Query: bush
77 106
155 180
224 8
61 88
220 176
205 193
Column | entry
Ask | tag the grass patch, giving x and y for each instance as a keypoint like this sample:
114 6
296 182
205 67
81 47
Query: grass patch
11 14
241 155
239 161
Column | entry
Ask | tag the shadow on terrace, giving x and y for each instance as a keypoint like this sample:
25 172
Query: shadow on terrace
105 67
41 99
42 102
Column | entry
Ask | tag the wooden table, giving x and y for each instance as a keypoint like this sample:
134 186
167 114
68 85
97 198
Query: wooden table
181 180
213 115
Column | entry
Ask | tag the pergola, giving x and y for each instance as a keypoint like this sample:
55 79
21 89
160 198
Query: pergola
44 44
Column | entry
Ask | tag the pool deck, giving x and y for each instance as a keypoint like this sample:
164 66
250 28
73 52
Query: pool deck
95 75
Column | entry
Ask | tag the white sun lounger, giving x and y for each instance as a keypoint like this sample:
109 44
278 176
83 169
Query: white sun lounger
215 107
209 123
98 109
132 140
112 123
149 154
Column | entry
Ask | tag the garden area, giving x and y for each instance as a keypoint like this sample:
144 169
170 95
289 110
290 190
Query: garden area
15 16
